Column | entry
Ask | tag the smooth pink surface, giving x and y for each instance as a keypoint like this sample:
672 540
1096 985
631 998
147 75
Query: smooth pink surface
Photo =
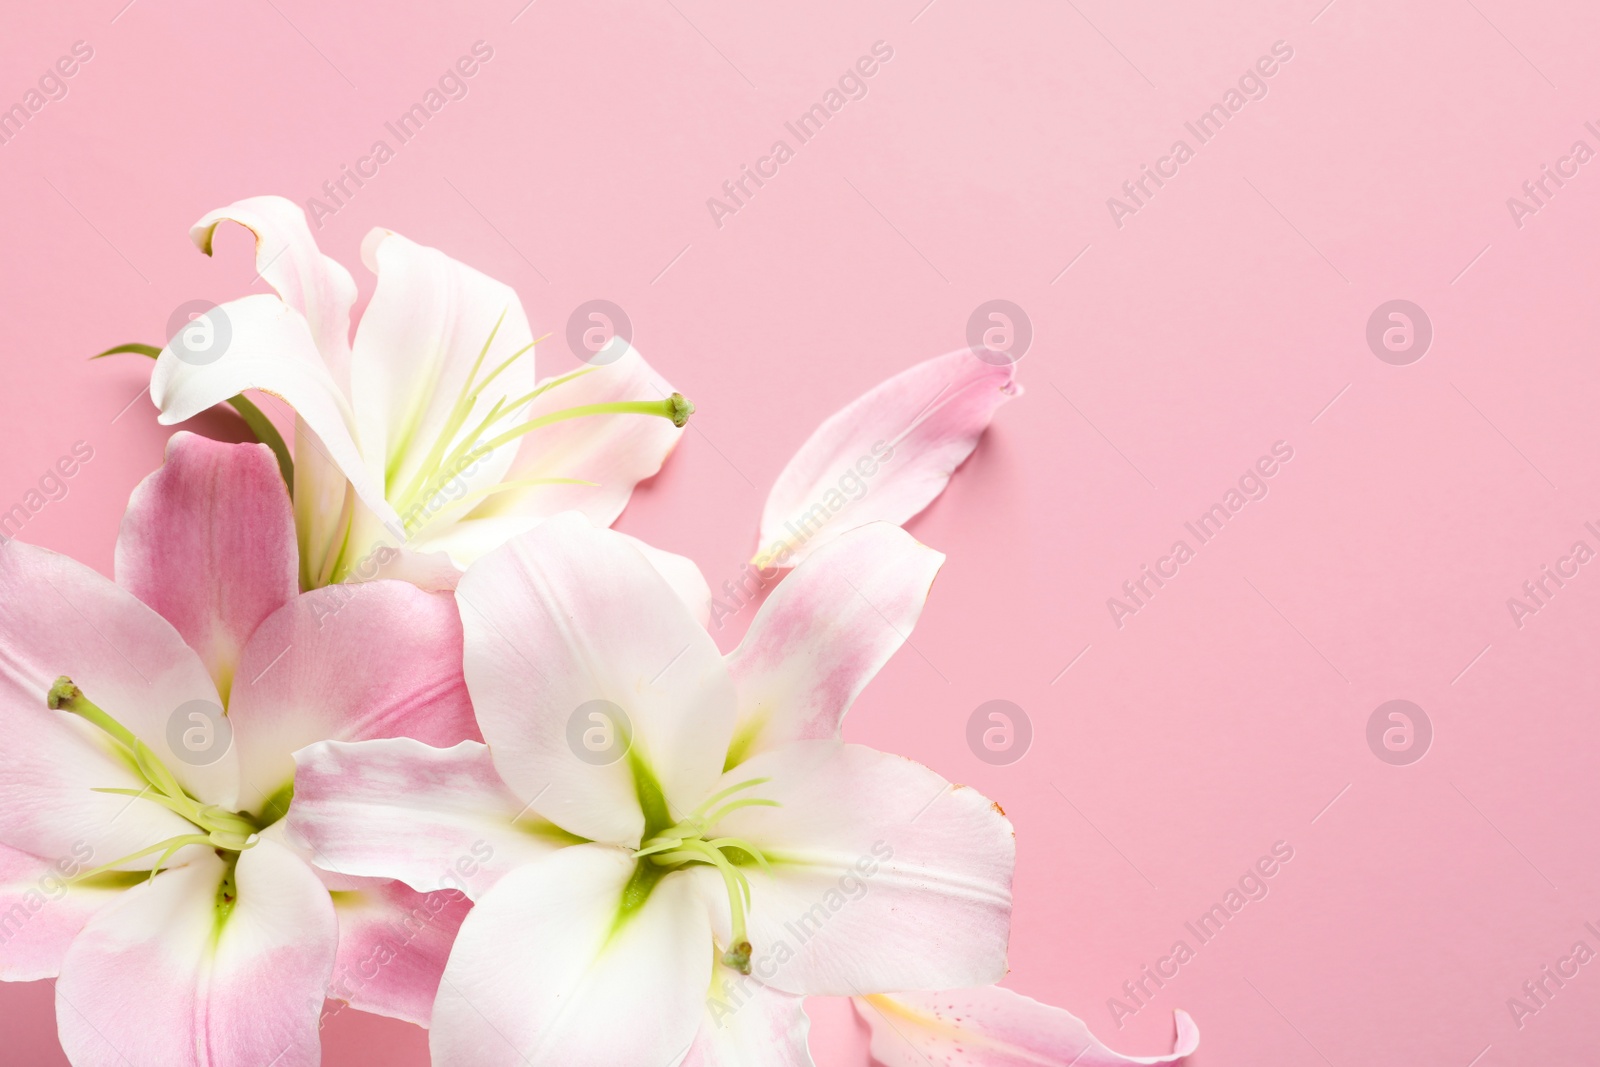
1224 316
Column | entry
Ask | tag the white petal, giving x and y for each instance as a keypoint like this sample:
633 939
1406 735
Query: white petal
884 876
287 256
566 616
748 1024
993 1027
435 818
885 455
825 632
157 978
418 341
544 973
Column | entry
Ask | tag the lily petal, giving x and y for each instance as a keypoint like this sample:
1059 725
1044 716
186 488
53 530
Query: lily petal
884 876
747 1024
824 633
161 976
41 911
903 440
612 452
435 818
58 617
993 1027
287 256
416 347
567 615
545 971
208 541
347 663
271 349
393 944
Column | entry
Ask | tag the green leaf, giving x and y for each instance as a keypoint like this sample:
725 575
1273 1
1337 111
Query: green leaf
253 417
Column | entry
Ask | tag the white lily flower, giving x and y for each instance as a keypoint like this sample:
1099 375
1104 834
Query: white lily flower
725 854
430 431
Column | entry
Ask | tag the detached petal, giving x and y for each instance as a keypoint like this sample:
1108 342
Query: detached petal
993 1027
886 455
288 258
208 541
418 341
270 348
747 1024
41 911
435 818
884 876
393 943
566 616
58 617
162 977
347 663
615 452
544 972
824 633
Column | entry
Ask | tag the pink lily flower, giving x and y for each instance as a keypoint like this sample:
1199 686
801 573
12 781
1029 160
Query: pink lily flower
993 1027
682 848
148 764
428 434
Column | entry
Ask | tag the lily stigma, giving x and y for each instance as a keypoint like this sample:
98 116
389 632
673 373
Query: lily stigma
685 842
425 497
230 833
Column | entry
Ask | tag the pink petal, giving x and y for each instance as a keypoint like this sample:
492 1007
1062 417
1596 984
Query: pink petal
393 943
884 876
993 1027
347 663
435 818
885 455
567 615
58 617
428 322
159 978
825 632
615 452
544 973
288 258
208 541
748 1024
41 912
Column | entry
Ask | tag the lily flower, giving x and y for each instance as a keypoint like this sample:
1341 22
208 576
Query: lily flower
148 765
429 433
884 456
994 1027
722 853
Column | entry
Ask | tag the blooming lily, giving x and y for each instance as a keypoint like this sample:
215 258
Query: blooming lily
993 1027
884 456
722 853
147 767
429 433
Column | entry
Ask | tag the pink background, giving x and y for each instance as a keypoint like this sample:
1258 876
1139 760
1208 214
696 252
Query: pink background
1224 316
